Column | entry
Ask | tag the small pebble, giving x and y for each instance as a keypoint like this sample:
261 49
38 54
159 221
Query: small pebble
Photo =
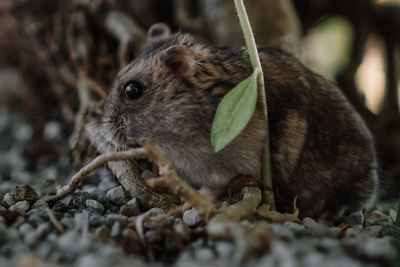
95 205
115 230
309 223
192 217
21 206
102 232
131 208
357 217
8 200
182 229
117 196
60 207
294 226
224 249
25 192
52 130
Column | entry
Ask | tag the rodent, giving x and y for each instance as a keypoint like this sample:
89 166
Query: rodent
321 150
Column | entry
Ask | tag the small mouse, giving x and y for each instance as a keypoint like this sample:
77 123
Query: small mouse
321 150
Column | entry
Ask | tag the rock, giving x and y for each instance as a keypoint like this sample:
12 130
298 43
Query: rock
95 205
192 217
23 132
294 226
131 208
40 204
378 248
204 254
390 230
373 230
52 130
117 196
60 207
66 200
309 223
21 206
115 230
25 192
32 238
25 229
78 200
357 217
102 232
35 217
97 220
8 200
182 230
285 232
224 249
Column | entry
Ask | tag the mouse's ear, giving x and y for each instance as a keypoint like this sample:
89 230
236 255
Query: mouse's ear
157 32
180 59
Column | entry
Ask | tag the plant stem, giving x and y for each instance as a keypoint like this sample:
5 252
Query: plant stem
255 63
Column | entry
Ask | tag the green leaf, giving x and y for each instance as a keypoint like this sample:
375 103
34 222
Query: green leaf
234 112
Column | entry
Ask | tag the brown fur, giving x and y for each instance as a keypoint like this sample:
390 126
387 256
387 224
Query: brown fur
321 149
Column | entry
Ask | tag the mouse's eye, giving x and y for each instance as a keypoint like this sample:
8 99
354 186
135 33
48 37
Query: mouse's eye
133 90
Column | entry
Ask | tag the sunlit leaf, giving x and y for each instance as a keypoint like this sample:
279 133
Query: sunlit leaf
234 112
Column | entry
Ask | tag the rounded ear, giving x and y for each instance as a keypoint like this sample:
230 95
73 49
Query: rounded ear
180 59
157 32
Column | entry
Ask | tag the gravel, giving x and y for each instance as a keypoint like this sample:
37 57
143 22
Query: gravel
102 227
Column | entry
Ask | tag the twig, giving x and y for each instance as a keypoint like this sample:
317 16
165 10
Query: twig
176 185
79 177
218 226
54 220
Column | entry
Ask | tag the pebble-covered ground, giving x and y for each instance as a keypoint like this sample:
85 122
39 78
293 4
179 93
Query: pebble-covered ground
97 225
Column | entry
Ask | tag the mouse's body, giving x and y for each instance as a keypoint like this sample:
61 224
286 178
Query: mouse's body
321 150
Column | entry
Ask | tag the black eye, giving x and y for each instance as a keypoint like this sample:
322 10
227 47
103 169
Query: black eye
133 90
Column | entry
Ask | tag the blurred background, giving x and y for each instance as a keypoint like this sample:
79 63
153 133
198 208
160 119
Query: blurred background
58 59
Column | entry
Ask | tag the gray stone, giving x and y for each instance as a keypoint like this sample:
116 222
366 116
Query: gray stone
35 216
373 230
21 206
66 200
224 249
96 220
283 231
102 232
8 199
115 230
79 200
309 223
204 254
40 204
294 226
192 217
23 132
357 217
182 229
32 238
117 196
52 130
95 205
131 208
25 228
